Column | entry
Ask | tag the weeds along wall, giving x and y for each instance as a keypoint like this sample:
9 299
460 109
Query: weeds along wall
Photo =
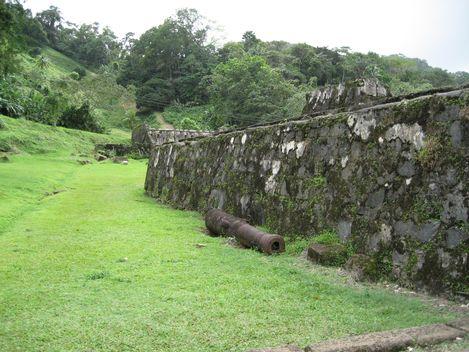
391 179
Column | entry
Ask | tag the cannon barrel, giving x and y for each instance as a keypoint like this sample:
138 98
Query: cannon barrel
222 224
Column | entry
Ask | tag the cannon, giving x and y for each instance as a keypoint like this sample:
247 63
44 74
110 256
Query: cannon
220 223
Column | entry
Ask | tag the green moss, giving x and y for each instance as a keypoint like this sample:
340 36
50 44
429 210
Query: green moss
430 154
410 265
316 182
459 101
424 209
410 111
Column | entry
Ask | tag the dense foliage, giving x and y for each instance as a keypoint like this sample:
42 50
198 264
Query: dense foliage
171 62
41 84
251 81
85 43
80 118
247 90
174 67
190 117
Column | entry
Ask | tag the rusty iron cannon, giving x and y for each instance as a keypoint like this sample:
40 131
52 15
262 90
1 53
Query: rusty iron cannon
220 223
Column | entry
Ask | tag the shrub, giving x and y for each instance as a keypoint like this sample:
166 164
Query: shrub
11 98
432 153
36 51
130 120
188 124
75 76
190 117
2 125
81 118
81 72
10 108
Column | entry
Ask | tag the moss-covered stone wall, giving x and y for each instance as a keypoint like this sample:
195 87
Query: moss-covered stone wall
145 138
391 179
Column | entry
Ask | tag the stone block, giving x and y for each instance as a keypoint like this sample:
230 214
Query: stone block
334 254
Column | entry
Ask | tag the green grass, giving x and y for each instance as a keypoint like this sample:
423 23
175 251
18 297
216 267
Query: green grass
61 62
102 267
296 244
27 178
89 263
59 65
32 137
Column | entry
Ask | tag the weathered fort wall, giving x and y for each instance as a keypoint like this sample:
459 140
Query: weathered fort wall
145 138
391 179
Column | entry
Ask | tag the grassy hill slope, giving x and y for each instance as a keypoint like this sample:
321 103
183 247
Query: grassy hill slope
52 71
36 160
20 135
59 65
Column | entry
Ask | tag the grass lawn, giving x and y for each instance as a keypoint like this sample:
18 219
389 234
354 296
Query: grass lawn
101 267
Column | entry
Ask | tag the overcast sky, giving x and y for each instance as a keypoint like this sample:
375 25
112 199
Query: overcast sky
434 30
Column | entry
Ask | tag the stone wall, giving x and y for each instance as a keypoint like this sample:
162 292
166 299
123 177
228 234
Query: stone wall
351 94
391 180
144 138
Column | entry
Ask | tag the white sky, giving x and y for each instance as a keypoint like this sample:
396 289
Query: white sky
434 30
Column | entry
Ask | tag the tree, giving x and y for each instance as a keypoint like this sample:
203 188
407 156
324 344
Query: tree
169 62
461 77
126 43
90 45
81 118
251 42
247 90
7 46
51 21
231 50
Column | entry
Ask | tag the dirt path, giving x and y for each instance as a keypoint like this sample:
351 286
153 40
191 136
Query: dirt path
163 124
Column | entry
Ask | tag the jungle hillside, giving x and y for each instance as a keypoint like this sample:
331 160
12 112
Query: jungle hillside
83 76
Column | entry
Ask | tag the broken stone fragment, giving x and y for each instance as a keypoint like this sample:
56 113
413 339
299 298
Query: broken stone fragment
334 254
393 340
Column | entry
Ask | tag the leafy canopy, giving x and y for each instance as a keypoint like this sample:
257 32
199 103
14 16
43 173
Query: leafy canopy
169 62
246 90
